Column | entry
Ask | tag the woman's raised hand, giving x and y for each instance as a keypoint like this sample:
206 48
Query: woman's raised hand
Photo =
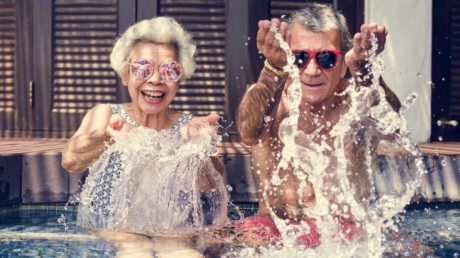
199 125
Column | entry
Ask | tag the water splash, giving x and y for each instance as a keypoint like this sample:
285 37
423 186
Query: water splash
364 194
155 183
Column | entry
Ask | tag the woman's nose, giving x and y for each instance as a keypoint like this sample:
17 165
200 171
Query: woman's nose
155 78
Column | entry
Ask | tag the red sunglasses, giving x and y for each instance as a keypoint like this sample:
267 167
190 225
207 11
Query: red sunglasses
326 59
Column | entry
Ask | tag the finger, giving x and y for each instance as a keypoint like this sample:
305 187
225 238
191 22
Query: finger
288 36
212 119
275 22
270 37
381 30
372 26
357 44
116 122
365 37
264 26
382 33
283 29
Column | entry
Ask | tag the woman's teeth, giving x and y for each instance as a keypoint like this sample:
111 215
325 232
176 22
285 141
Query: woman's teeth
153 95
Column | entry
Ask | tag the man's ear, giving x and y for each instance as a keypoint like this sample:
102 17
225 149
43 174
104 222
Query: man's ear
343 70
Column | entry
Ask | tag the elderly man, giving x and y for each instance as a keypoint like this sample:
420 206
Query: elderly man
321 43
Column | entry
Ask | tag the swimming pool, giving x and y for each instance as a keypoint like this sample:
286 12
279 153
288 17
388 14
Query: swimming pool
39 231
50 231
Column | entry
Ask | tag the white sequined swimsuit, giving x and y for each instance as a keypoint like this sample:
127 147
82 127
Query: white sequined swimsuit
115 166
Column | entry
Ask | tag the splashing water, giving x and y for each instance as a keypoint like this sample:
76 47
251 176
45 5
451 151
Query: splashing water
362 193
155 183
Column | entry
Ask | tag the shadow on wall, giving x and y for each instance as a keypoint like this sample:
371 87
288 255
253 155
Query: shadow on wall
441 182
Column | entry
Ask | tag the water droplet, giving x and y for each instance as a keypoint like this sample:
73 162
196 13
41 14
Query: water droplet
229 188
440 138
419 75
246 43
443 162
241 67
410 100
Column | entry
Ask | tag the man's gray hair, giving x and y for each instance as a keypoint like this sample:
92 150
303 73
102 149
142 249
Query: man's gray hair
321 17
161 30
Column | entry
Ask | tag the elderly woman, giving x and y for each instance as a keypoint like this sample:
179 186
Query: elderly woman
148 173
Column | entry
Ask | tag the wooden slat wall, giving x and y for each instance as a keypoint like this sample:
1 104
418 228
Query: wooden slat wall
204 92
7 54
455 60
282 8
84 32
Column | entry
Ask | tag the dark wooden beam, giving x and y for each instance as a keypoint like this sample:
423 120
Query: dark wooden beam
126 17
440 71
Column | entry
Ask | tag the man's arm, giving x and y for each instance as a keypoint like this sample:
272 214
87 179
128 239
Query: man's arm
258 107
262 99
356 59
390 96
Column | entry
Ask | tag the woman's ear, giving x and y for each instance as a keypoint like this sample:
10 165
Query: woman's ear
125 79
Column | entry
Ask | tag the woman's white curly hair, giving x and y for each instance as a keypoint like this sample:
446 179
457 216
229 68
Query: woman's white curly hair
157 30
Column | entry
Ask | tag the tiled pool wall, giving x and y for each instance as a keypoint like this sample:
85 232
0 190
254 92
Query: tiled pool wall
39 178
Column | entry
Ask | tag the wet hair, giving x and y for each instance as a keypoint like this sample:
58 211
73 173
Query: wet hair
320 18
160 30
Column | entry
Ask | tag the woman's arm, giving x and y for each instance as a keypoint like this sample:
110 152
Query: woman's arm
88 142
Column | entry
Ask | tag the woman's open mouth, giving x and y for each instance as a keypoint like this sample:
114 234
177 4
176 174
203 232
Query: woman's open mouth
153 96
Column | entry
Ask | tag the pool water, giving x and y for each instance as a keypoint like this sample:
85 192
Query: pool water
50 231
437 226
40 231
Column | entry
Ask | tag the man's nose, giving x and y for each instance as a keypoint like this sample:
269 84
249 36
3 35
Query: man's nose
312 68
